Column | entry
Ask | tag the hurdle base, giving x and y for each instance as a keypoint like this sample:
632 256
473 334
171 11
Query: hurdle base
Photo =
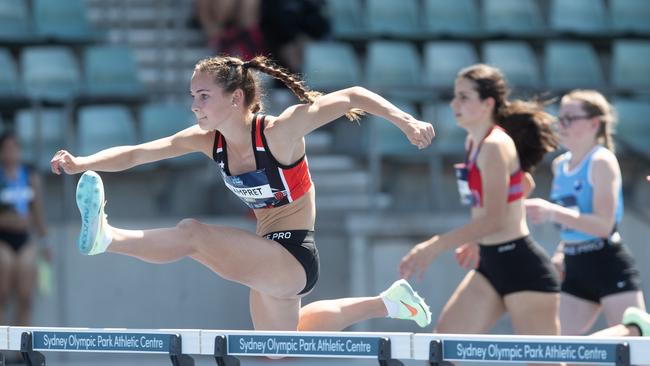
31 357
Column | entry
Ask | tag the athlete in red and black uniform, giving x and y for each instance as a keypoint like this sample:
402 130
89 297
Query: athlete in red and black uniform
505 141
262 161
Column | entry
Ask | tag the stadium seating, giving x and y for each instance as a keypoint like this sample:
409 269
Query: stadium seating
64 21
570 65
47 127
111 71
50 73
459 18
443 60
583 17
104 126
513 18
516 60
331 65
158 120
631 66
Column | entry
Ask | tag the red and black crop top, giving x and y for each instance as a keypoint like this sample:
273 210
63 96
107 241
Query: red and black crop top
470 185
272 184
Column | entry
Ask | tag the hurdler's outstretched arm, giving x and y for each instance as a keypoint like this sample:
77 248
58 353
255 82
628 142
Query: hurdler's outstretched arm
124 157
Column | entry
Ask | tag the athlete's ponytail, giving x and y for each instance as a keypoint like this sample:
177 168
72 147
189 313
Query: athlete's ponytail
232 73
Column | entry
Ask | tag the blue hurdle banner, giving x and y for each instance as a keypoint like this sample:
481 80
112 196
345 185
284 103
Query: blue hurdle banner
32 341
229 345
309 344
531 349
106 339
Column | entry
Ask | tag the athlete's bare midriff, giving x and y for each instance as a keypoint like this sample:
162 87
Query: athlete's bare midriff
297 215
515 227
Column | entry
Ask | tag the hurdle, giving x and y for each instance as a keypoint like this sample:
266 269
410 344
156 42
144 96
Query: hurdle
440 349
225 346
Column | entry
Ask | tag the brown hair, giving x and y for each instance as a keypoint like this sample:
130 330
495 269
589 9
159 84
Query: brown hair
232 73
526 122
594 104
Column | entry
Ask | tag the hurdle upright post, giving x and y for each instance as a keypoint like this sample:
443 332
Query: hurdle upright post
31 357
221 352
623 354
176 352
435 353
384 355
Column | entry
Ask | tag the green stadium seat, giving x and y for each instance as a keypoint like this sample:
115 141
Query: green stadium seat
570 65
158 120
459 18
583 17
345 17
516 59
15 22
630 16
65 21
9 84
515 18
393 18
393 68
104 126
443 60
331 65
50 73
631 66
633 129
111 71
52 133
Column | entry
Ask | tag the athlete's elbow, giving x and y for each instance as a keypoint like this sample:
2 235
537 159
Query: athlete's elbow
355 93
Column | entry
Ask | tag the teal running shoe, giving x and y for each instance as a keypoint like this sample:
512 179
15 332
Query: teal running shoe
93 238
638 317
406 303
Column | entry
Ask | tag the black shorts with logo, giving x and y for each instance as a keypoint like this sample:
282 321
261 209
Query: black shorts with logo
597 268
518 265
300 243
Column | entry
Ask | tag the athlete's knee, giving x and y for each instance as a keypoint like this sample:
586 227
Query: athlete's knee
189 225
190 229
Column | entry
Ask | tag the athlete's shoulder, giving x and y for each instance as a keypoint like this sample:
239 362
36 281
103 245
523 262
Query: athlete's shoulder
604 162
605 155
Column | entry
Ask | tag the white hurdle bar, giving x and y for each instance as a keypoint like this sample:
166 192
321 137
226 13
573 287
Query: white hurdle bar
224 345
387 348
